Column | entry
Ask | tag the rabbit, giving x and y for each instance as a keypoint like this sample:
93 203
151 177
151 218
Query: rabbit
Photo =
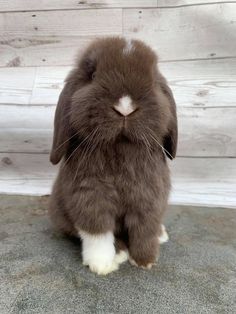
115 126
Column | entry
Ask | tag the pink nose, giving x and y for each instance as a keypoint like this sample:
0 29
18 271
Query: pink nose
125 106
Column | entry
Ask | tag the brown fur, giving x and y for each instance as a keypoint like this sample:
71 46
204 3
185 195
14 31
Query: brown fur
114 176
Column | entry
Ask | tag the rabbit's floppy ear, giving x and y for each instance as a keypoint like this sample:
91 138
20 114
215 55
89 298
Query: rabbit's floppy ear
61 127
171 138
83 73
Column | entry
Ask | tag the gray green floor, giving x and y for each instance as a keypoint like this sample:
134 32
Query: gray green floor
41 271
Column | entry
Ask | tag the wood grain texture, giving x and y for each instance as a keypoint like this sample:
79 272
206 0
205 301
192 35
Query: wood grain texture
32 86
205 181
42 51
16 85
26 128
194 32
26 174
180 3
196 181
44 5
48 34
48 83
203 132
32 5
207 132
52 38
202 83
61 23
35 38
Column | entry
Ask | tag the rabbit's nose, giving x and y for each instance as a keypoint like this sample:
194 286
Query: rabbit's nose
125 106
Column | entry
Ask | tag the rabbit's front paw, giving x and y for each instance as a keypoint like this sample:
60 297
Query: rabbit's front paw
144 265
101 267
98 252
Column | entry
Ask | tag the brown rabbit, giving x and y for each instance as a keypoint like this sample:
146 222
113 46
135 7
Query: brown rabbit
115 124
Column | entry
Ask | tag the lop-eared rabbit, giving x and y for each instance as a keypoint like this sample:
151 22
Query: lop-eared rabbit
115 125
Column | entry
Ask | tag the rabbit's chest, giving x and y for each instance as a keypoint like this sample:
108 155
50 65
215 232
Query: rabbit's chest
134 172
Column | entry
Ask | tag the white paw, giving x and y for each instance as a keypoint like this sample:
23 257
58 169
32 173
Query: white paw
121 257
98 252
101 267
164 235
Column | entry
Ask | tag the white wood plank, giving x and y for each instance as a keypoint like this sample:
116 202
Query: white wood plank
26 174
25 140
207 132
196 181
178 3
31 5
211 194
48 84
42 51
35 38
54 37
186 32
16 85
61 23
33 86
205 181
202 131
203 170
202 83
26 117
26 128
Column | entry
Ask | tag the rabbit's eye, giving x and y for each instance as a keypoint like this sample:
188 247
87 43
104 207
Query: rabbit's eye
93 75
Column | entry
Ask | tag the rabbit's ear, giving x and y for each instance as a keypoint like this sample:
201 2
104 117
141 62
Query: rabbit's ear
171 138
61 128
76 78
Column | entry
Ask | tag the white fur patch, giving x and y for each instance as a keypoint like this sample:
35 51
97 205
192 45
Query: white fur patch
121 257
164 235
98 252
125 106
128 47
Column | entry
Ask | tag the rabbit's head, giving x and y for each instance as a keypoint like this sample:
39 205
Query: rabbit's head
115 93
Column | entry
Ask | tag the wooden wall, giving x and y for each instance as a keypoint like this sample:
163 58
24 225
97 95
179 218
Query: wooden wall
196 43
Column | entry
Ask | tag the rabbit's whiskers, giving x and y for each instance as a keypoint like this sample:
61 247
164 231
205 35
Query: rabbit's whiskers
66 141
163 149
89 148
84 140
152 135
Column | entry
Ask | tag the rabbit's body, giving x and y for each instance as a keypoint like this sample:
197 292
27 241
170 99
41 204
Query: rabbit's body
113 182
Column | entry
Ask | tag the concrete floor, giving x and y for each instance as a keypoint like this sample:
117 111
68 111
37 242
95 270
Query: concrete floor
41 271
